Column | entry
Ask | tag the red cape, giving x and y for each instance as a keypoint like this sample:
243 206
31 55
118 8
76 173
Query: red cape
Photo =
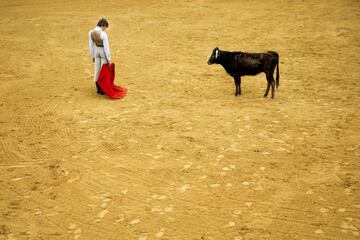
106 82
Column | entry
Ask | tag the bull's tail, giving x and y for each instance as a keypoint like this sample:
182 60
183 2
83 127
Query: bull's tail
277 72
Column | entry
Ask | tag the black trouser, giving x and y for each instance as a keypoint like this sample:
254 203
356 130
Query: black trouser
98 88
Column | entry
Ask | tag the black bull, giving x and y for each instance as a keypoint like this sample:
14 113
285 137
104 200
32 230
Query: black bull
238 64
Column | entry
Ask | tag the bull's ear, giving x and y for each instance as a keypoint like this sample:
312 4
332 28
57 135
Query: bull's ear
216 48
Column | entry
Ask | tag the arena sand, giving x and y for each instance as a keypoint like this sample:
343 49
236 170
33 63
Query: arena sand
180 157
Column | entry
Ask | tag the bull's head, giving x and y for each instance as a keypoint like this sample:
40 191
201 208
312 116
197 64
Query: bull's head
214 56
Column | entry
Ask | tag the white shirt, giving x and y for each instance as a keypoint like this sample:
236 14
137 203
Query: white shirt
104 38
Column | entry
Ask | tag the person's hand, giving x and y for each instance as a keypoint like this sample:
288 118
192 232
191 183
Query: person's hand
109 63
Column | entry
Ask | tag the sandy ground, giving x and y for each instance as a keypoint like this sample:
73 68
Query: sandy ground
180 157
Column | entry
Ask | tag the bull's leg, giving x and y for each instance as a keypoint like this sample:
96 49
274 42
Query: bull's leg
268 85
236 80
271 80
235 87
239 85
272 88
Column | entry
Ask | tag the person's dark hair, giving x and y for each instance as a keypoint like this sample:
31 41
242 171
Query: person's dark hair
103 23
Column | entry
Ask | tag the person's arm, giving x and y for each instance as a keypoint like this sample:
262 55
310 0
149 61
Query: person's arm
91 46
105 40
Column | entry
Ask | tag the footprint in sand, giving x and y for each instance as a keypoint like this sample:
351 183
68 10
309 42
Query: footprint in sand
346 226
230 224
102 214
124 191
17 179
168 209
342 210
184 188
219 158
309 192
11 236
135 221
76 230
73 179
202 177
77 233
226 169
159 210
223 173
161 233
237 212
323 210
156 209
72 226
187 166
246 183
347 191
259 188
143 237
106 200
120 218
158 197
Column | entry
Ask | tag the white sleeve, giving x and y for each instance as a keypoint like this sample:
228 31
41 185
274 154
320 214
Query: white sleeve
105 40
91 45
